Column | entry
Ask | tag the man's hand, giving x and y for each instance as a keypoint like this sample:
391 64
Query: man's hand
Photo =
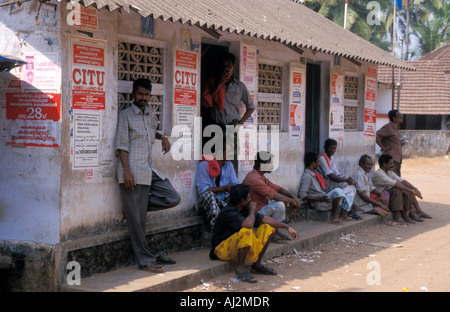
293 233
128 179
165 144
350 181
417 193
295 203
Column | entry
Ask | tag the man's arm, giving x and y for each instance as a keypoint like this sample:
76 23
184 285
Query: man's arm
280 225
415 190
247 114
164 142
128 179
250 220
294 200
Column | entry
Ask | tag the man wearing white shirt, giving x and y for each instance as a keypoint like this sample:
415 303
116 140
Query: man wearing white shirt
402 193
367 197
334 179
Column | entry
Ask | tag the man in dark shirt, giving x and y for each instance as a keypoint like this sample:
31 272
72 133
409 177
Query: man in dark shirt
242 235
388 138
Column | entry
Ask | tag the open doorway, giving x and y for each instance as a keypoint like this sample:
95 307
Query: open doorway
210 66
312 113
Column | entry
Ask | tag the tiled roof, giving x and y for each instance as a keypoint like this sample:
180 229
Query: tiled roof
286 21
427 90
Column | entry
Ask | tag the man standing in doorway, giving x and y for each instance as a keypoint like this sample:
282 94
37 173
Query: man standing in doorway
137 177
222 98
388 138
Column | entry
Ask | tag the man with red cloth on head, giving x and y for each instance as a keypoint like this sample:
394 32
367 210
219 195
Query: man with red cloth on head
214 179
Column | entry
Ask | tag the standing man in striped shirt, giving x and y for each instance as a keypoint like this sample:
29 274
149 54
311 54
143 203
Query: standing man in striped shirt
137 176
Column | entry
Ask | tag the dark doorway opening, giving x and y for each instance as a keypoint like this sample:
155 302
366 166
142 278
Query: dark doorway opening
312 113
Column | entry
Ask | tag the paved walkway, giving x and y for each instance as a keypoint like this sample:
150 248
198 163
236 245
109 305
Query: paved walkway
194 265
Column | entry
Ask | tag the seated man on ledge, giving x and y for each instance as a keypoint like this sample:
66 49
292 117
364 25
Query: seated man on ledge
313 189
402 193
243 235
368 198
333 178
214 179
269 197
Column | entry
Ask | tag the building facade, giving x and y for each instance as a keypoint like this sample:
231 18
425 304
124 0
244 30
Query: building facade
60 198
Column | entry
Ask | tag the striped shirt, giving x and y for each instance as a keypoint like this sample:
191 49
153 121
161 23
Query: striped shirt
135 135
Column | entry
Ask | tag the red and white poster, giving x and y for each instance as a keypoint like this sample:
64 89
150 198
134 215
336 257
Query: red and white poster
33 119
296 106
88 73
81 17
42 72
336 116
186 87
369 106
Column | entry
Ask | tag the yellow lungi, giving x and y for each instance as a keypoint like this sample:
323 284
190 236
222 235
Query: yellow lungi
255 238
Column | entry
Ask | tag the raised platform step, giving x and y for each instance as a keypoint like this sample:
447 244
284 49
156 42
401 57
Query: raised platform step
195 265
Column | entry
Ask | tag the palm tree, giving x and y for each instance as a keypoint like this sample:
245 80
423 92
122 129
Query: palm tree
357 18
431 24
430 21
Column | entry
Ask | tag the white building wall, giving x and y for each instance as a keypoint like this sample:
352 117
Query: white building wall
47 200
30 176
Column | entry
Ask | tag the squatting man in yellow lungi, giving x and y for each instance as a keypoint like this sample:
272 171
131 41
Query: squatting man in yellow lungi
242 235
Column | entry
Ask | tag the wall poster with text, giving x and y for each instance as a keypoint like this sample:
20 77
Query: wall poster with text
370 113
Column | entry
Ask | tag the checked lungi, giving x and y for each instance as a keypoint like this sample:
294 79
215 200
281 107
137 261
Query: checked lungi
210 205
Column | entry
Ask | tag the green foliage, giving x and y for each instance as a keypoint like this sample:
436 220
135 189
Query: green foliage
429 20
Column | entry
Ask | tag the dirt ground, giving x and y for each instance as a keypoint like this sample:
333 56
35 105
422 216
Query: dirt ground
382 258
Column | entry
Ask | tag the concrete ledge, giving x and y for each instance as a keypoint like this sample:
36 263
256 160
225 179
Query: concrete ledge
121 235
194 265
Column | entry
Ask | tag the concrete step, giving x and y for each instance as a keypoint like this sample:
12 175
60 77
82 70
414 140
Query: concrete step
195 265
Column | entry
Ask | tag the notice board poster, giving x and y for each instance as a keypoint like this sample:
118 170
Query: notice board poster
296 106
86 140
369 106
41 72
88 73
186 87
33 119
336 116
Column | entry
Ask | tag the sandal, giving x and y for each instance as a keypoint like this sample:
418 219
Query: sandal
262 269
164 260
354 216
399 222
153 268
245 276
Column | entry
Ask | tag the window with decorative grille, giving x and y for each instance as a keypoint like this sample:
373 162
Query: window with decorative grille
270 94
137 60
351 102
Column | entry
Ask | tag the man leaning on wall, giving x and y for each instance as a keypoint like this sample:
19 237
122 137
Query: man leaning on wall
140 183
